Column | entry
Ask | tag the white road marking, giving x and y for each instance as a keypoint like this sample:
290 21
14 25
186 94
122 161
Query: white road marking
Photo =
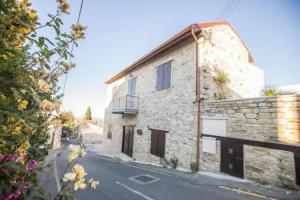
134 191
247 193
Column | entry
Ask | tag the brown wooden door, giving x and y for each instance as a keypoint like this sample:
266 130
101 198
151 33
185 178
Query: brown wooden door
232 158
127 143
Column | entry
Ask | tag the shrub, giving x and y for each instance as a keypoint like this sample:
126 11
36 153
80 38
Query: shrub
270 90
219 96
164 162
273 90
31 64
193 167
221 78
174 162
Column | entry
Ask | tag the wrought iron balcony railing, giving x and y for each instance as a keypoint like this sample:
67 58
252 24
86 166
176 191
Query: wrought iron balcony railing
125 105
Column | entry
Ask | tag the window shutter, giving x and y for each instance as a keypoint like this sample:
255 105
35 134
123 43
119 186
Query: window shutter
159 78
161 144
153 148
158 141
167 75
129 86
133 86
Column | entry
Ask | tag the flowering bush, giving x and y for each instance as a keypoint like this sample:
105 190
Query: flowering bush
30 67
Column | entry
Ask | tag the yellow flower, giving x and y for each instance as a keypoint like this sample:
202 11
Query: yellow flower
23 148
43 86
79 171
69 177
33 15
65 8
22 104
43 74
74 151
72 156
78 31
16 129
80 184
93 184
46 105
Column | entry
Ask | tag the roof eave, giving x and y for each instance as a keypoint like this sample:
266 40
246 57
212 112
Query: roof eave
185 33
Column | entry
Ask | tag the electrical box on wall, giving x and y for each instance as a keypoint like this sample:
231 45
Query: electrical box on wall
214 126
209 145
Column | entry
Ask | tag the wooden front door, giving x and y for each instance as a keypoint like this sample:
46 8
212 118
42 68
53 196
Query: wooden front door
232 158
127 143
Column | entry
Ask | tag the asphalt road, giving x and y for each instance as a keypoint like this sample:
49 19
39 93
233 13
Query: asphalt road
115 183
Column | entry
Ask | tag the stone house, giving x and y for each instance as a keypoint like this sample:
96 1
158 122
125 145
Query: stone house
162 104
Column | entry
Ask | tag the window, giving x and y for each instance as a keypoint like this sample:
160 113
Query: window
131 86
163 77
158 139
109 131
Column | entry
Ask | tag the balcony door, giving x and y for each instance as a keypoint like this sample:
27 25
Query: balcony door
131 86
130 104
127 142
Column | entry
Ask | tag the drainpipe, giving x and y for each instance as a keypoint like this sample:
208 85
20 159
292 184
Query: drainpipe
198 101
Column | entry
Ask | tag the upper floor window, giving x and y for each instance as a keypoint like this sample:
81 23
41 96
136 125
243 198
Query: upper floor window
163 77
131 86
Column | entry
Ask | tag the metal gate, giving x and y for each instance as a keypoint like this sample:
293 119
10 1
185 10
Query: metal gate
232 158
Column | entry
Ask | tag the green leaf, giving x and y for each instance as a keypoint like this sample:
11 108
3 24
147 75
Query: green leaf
41 41
57 30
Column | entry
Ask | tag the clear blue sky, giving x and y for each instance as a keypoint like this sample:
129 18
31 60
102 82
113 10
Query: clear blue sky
121 31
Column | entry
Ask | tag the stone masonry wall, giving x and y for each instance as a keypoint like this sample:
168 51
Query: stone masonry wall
267 119
173 109
221 49
272 119
269 166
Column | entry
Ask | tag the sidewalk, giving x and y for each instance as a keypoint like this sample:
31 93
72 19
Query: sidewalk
226 182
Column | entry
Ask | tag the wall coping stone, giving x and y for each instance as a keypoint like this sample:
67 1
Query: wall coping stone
257 99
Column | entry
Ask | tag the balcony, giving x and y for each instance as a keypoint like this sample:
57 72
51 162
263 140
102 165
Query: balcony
125 105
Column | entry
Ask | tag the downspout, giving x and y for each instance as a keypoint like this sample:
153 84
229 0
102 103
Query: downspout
198 102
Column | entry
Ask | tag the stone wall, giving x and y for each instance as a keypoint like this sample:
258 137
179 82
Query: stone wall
171 109
272 119
269 166
266 119
221 49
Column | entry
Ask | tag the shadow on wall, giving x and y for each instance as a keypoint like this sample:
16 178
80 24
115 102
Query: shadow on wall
288 118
